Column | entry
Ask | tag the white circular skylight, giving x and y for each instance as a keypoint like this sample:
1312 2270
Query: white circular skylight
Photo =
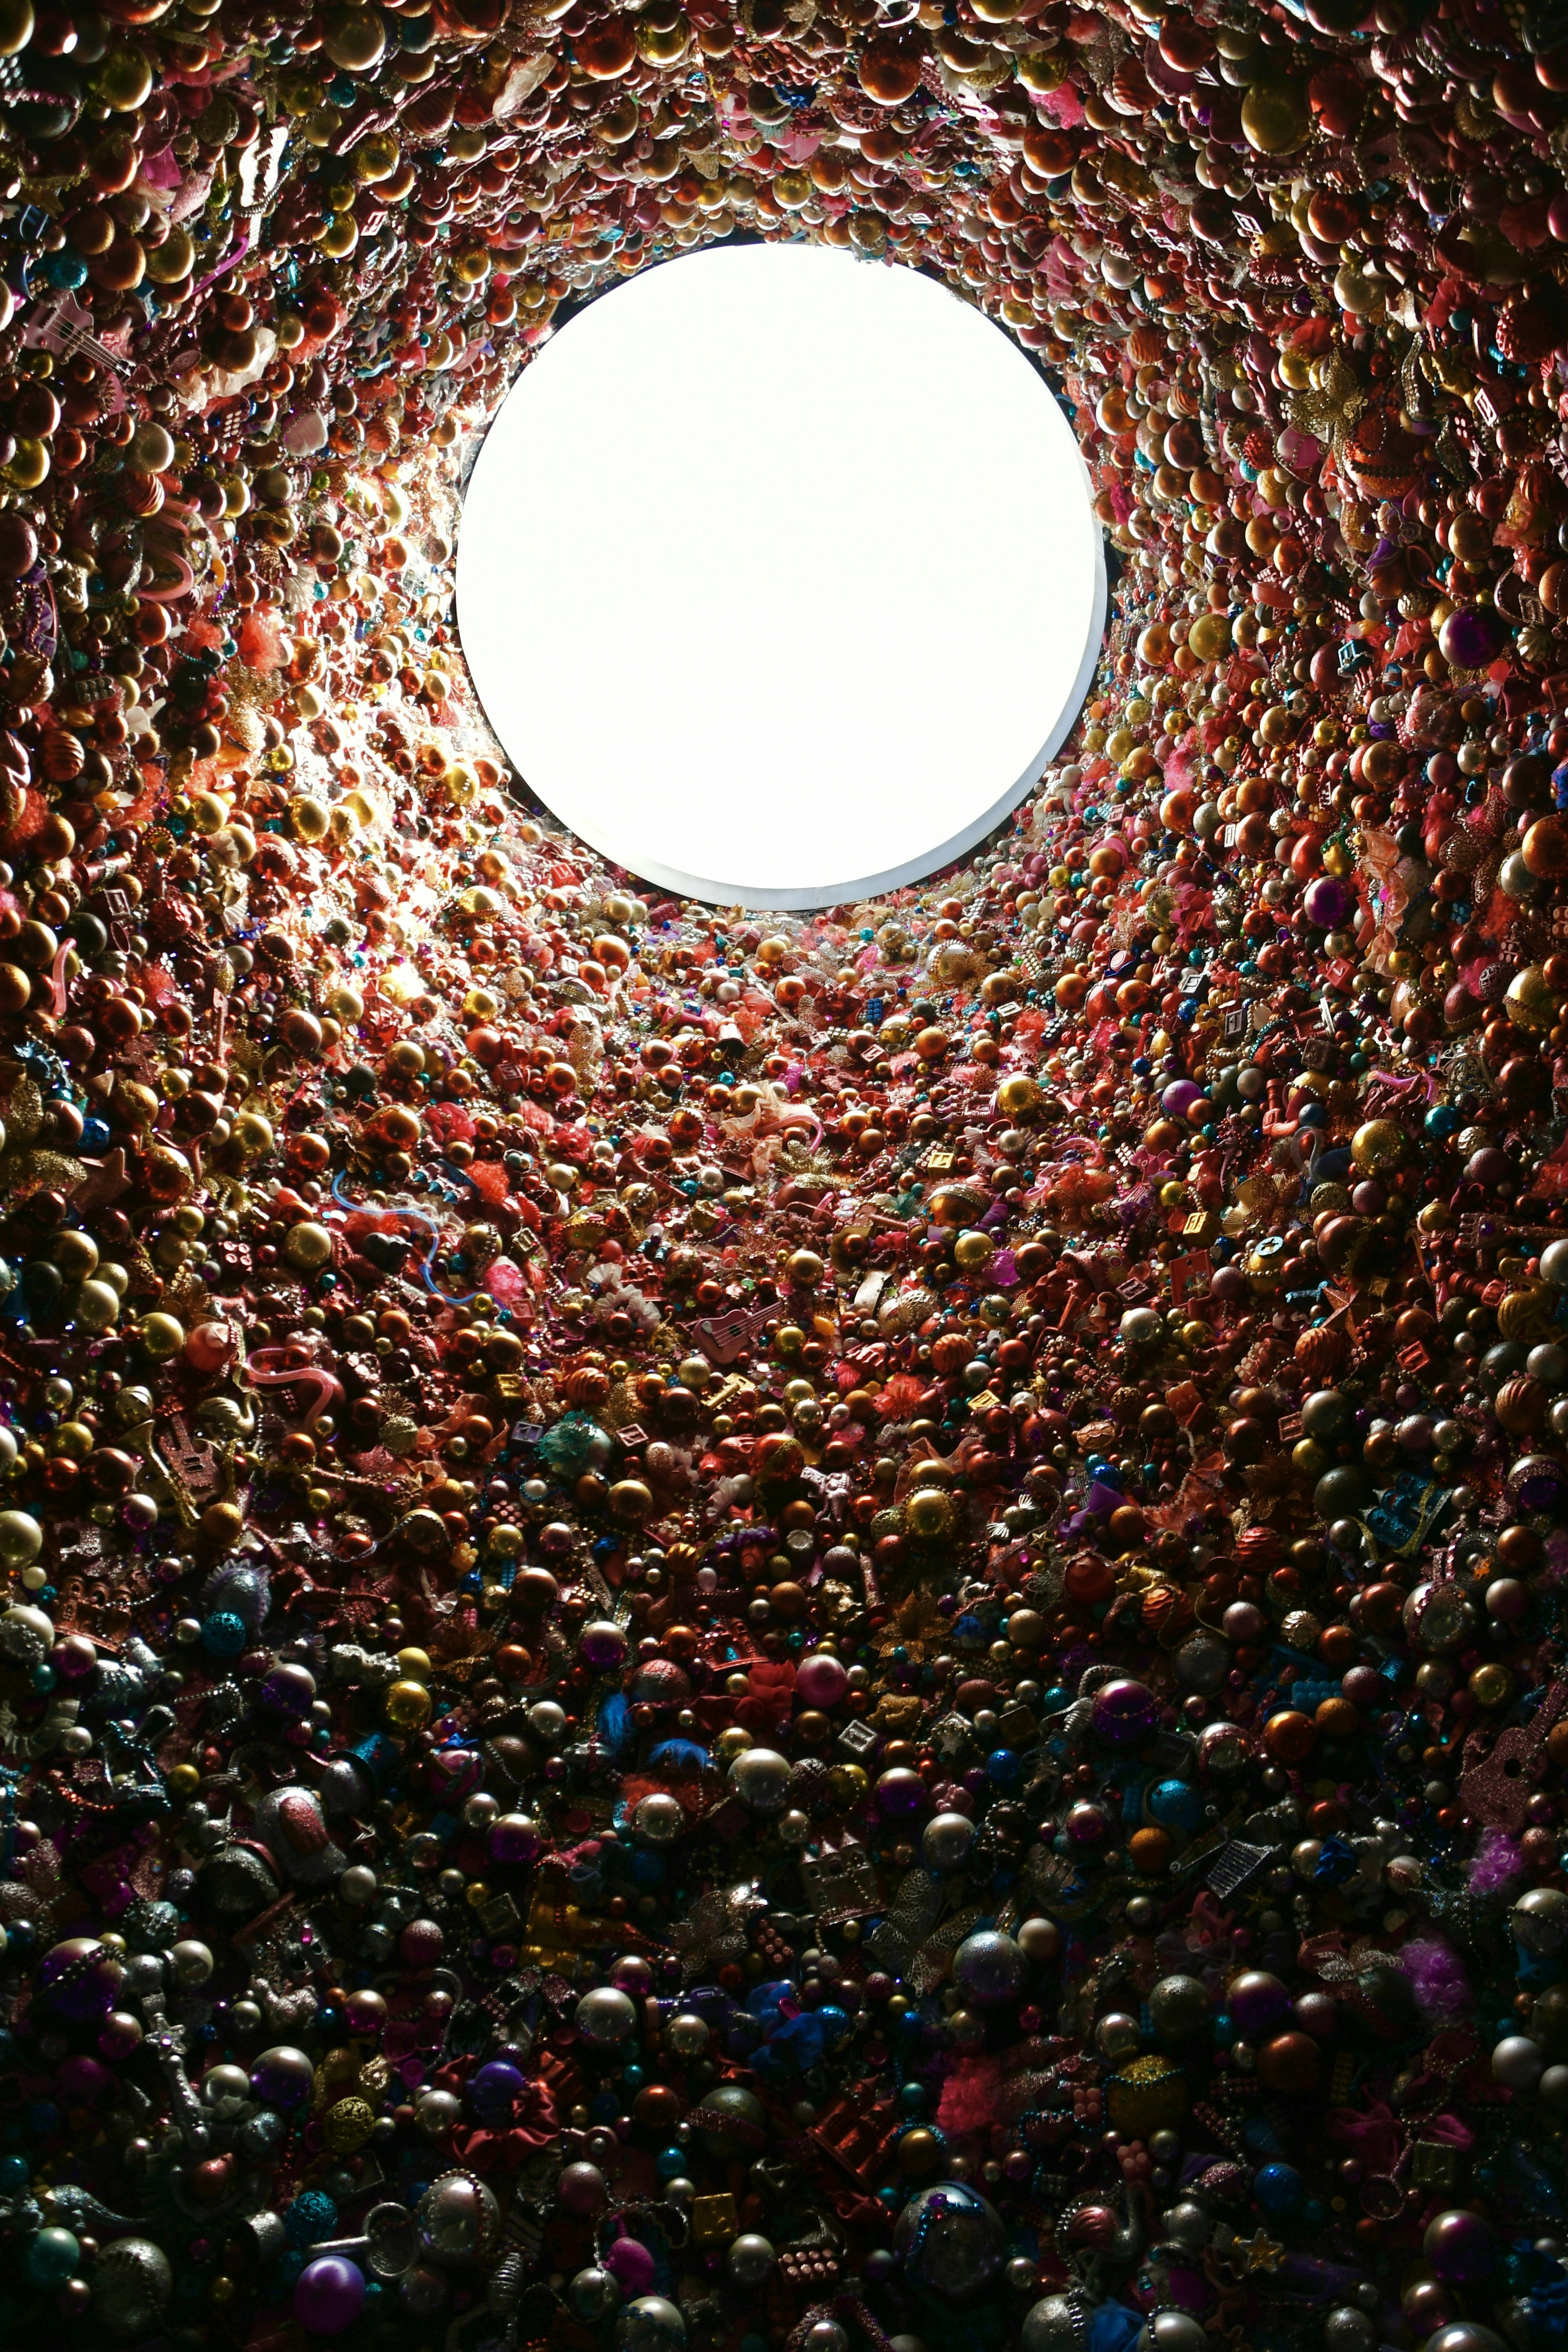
778 576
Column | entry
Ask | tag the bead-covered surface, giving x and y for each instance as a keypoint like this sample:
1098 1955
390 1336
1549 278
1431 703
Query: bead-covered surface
810 1633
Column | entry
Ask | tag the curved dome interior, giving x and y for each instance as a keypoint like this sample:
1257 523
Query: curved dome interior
817 1628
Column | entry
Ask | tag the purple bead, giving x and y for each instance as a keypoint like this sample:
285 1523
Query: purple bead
282 2077
601 1645
514 1838
1258 2001
1459 2246
495 2091
1124 1713
82 1979
329 2295
1329 902
1469 639
82 2080
1179 1096
291 1689
901 1793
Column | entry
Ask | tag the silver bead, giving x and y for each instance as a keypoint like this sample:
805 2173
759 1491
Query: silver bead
1465 2336
132 2284
192 1962
826 2335
1117 2036
1518 2063
605 2018
661 1818
458 2219
1054 2325
435 2112
1186 2225
1345 2329
594 2294
946 1840
226 2090
760 1777
650 2324
1540 1920
1179 2007
750 2259
1172 2331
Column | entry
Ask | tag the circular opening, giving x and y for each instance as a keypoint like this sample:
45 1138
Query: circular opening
778 576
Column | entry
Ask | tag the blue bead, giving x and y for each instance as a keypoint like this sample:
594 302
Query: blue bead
671 2162
1176 1805
15 2173
1278 2187
912 2098
52 2258
223 1634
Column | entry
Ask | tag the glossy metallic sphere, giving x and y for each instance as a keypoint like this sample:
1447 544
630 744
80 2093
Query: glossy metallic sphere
458 2219
1518 2063
661 1818
132 2284
650 2324
435 2113
732 2121
594 2294
283 2077
226 2091
989 1968
1058 2323
605 2017
1179 2007
192 1962
760 1777
1172 2331
1459 2246
826 2335
951 2241
1540 1920
1186 2225
1118 2036
750 2259
1346 2329
946 1840
1465 2336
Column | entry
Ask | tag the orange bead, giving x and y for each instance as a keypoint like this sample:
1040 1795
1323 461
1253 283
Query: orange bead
1289 1736
1150 1850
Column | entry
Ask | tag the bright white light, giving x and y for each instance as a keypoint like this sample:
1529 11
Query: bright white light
778 576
